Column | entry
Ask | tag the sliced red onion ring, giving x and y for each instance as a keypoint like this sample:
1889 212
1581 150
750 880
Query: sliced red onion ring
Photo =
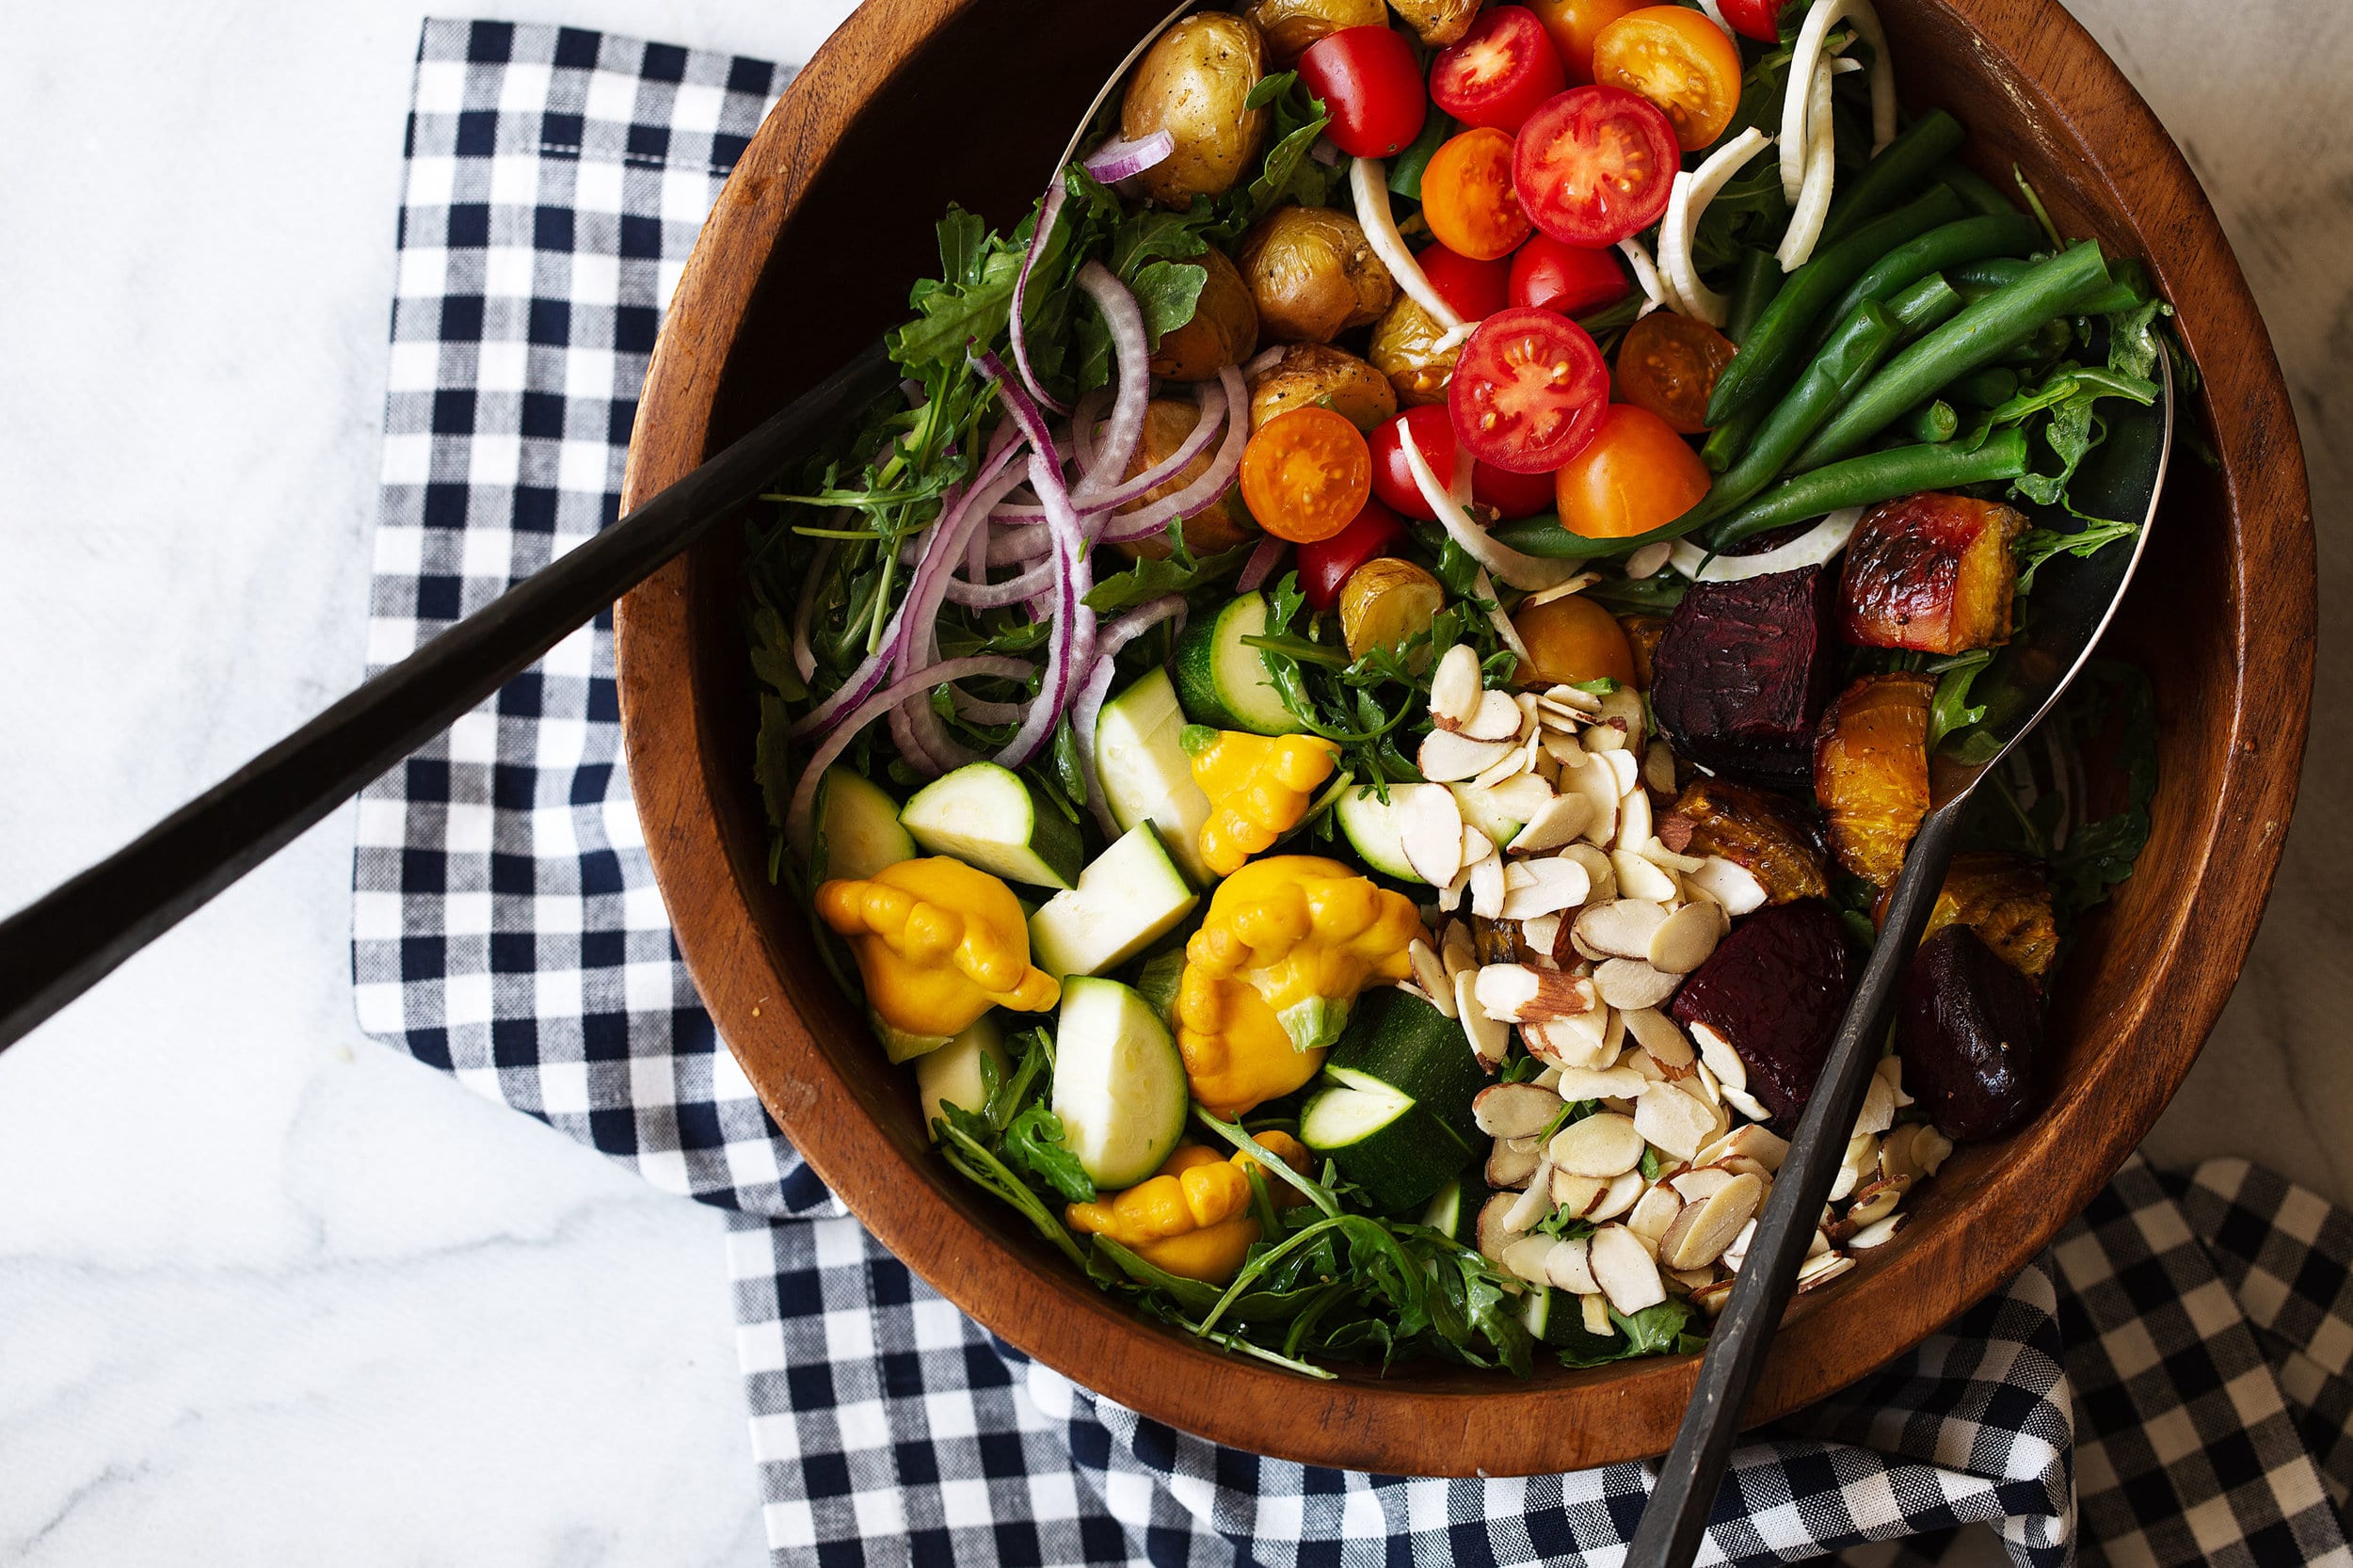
796 816
1013 590
1207 490
1046 215
981 710
922 738
1086 423
1265 359
927 747
1119 436
1015 545
1072 640
1115 161
1261 563
1204 430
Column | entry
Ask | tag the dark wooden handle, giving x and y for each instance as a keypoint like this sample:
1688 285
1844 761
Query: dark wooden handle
1676 1518
57 947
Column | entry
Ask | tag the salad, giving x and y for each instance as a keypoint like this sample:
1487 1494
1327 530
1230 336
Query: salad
1352 716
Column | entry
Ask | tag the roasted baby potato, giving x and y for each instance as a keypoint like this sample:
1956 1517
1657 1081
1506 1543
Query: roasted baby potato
1313 374
1194 83
1933 572
1743 672
1436 23
1386 601
1871 772
1291 25
1758 830
1167 421
2006 901
1969 1029
1313 274
1223 329
1405 349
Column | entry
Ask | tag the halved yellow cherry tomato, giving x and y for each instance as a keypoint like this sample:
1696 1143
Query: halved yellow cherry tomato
1574 24
1669 364
1305 474
1467 196
1680 61
1635 476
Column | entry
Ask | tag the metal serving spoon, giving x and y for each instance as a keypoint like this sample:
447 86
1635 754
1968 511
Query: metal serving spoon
2073 601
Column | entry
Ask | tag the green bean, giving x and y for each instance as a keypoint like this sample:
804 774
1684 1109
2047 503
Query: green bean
1924 307
1931 423
1973 187
1976 280
1725 442
1989 388
1776 351
1902 166
1868 480
1545 536
1859 345
1971 340
1760 279
1969 240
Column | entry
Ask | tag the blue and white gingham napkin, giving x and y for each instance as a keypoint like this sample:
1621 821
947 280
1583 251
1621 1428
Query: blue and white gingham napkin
2170 1384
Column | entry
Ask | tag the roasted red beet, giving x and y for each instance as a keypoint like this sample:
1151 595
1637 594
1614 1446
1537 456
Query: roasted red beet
1744 671
1933 572
1775 990
1970 1031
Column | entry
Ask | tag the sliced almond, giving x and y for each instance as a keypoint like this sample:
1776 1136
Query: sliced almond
1516 764
1445 758
1624 707
1737 1253
1820 1270
1877 1234
1560 744
1454 687
1650 560
1493 1236
1558 822
1455 949
1634 823
1520 799
1576 1193
1430 827
1575 1040
1676 1122
1514 1110
1505 991
1573 699
1740 1164
1623 1267
1600 1083
1660 1040
1539 931
1704 1229
1534 1204
1688 1280
1819 1246
1486 888
1710 1299
1675 829
1595 1308
1548 1078
1600 738
1876 1202
1553 884
1602 1146
1891 1069
1509 1169
1598 871
1639 878
1566 1269
1625 770
1653 1212
1498 718
1762 1144
1747 1104
1658 767
1525 1257
1710 1090
1429 969
1490 1041
1859 1164
1878 1107
1721 1058
1658 854
1620 928
1730 884
1618 1197
1685 940
1698 1184
1592 779
1630 982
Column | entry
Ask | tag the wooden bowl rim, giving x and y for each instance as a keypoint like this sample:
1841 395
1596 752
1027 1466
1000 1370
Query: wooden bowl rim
1629 1410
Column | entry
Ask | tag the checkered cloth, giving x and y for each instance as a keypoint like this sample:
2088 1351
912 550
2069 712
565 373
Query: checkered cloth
2170 1384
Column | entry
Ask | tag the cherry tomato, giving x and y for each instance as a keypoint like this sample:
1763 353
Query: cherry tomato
1574 24
1529 390
1502 69
1509 495
1573 640
1636 474
1680 61
1595 165
1467 196
1304 475
1370 82
1566 280
1474 289
1756 19
1327 564
1669 364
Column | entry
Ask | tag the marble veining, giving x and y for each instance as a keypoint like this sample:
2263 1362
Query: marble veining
270 1293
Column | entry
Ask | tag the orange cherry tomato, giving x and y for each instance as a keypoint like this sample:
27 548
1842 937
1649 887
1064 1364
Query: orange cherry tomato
1305 474
1635 476
1467 196
1574 24
1669 364
1573 640
1680 61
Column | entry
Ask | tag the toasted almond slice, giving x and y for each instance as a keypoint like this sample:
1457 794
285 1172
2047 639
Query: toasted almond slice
1490 1041
1623 1267
1682 1282
1658 854
1539 931
1860 1163
1498 718
1566 1268
1736 1252
1634 821
1660 1040
1876 1202
1620 928
1639 878
1710 1090
1599 737
1577 1040
1625 770
1445 758
1486 889
1509 1169
1740 1164
1624 707
1519 799
1506 992
1600 1083
1730 885
1674 1121
1525 1257
1477 846
1931 1149
1429 969
1534 1204
1819 1246
1653 1212
1896 1151
1454 687
1554 885
1760 1143
1630 982
1548 1078
1576 1193
1658 767
1820 1271
1430 827
1747 1104
1516 764
1571 697
1699 1183
1514 1110
1877 1234
1721 1058
1493 1236
1710 1299
1878 1108
1891 1069
1561 747
1605 1145
1685 940
1592 779
1455 949
1650 560
1624 1192
1555 824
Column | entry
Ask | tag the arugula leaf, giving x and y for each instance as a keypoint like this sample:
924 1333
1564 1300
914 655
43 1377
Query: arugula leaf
1950 709
1168 292
1033 1142
1655 1330
1289 174
2038 545
1152 578
974 303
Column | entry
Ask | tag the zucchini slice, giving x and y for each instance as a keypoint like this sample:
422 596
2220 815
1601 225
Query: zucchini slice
1119 1085
1369 823
1224 681
1396 1153
858 831
1128 898
951 1074
1400 1040
1145 772
989 817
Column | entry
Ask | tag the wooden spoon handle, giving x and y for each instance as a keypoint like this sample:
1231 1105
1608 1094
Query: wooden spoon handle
57 947
1676 1516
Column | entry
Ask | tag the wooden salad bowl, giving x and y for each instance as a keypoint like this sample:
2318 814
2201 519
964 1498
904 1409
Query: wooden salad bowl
827 220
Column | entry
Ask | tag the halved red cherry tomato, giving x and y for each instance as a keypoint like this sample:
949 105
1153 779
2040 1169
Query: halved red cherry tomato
1669 364
1304 475
1595 165
1327 564
1474 288
1635 476
1431 429
1467 196
1499 71
1529 390
1574 24
1680 61
1566 280
1756 19
1370 82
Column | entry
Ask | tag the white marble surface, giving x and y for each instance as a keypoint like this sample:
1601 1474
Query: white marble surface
269 1293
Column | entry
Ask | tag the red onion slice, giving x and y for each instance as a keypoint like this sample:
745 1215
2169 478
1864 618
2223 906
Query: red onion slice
1261 565
1072 639
923 740
797 817
1013 590
1115 161
1205 491
1046 215
1087 422
1117 448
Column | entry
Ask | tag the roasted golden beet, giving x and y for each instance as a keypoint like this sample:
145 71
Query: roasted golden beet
1933 572
1313 274
1167 421
1223 329
1743 672
1759 830
2006 901
1871 772
1641 634
1312 374
1404 349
